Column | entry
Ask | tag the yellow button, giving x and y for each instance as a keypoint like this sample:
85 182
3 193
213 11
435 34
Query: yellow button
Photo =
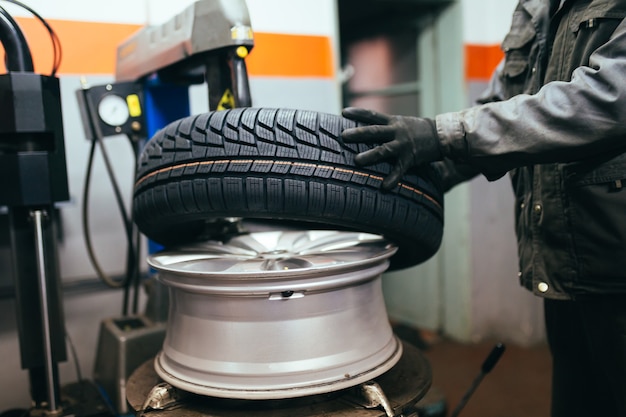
242 52
134 107
542 287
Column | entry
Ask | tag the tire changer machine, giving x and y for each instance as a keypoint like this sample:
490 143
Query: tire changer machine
208 43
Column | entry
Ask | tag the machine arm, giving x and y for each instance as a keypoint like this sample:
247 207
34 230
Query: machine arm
208 41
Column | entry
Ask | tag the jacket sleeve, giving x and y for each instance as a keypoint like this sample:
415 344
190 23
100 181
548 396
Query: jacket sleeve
453 173
563 122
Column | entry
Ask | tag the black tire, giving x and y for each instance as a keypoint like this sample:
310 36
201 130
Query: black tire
279 165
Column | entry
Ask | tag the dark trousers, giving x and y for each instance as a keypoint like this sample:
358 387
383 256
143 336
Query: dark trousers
587 338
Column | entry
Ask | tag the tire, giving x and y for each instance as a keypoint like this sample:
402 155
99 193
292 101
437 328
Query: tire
279 166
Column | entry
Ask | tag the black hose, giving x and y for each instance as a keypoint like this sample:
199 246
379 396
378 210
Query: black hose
56 43
18 56
136 271
86 229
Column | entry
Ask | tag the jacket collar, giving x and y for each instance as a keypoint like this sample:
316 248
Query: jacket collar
536 8
539 10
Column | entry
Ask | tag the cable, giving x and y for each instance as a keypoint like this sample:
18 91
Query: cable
57 52
79 374
18 56
132 272
132 259
86 228
116 189
136 146
137 275
132 234
131 254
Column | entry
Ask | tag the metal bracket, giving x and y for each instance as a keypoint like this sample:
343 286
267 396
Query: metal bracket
161 397
370 395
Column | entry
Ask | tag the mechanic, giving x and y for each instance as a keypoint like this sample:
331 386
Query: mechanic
554 118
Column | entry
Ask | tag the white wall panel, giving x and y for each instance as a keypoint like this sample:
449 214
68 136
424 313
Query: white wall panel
110 11
302 17
486 21
500 307
159 11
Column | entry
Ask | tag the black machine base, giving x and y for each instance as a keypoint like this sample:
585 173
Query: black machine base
404 385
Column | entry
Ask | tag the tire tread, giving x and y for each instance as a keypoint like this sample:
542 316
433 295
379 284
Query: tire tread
278 164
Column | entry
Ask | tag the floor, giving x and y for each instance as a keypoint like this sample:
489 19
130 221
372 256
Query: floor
518 385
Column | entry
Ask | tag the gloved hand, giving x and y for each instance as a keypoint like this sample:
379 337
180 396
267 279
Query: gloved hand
410 141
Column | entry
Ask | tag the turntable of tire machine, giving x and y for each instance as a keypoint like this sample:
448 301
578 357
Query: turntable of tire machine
273 241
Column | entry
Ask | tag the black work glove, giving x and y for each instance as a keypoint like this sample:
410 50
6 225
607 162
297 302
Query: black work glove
409 141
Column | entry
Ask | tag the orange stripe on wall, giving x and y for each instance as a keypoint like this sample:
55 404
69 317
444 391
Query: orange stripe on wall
291 56
481 60
89 48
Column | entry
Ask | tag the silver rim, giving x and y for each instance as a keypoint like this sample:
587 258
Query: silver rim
275 254
276 314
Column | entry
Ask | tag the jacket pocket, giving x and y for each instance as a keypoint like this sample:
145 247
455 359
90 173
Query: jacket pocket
590 17
591 27
596 210
517 46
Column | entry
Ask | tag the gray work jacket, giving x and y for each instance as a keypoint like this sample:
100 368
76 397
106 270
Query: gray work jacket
555 118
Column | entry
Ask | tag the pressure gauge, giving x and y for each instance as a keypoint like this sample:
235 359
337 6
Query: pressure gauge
113 110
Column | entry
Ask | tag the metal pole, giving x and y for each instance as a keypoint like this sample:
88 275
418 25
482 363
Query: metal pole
38 217
488 364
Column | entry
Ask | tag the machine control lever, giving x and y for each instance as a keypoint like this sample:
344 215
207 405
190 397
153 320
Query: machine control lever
487 366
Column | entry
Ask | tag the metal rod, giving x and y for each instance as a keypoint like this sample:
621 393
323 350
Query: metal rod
487 366
38 216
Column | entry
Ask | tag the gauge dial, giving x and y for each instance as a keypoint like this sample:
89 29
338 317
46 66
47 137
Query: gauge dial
113 110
